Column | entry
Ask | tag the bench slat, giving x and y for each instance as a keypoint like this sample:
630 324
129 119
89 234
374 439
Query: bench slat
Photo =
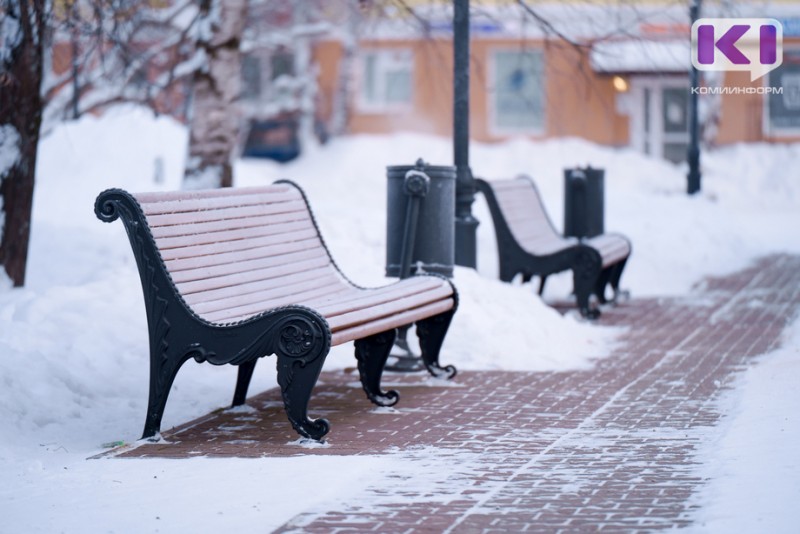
382 325
239 279
295 285
612 247
364 298
163 197
239 314
245 266
222 214
223 258
385 309
221 247
283 213
253 286
225 236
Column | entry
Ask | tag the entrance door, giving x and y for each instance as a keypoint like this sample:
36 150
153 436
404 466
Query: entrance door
660 117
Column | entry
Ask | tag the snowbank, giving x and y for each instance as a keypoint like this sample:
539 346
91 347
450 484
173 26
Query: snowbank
73 343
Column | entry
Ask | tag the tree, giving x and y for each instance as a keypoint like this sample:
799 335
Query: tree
216 86
109 48
23 33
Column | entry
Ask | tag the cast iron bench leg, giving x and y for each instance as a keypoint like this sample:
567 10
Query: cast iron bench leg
585 272
542 281
371 354
616 273
163 369
431 332
296 378
243 382
602 282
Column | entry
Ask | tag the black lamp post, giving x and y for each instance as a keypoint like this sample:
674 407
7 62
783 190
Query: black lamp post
693 178
466 224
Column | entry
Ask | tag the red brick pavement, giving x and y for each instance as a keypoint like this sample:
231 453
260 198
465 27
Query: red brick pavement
611 448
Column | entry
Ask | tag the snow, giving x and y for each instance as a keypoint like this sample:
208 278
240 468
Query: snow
10 36
9 156
640 56
73 370
747 463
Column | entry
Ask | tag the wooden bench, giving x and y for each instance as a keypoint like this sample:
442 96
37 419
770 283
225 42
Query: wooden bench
528 244
231 275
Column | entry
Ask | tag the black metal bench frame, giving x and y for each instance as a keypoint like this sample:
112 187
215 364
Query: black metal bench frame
298 335
586 263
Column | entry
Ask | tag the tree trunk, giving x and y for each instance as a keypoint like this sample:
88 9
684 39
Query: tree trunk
214 117
20 118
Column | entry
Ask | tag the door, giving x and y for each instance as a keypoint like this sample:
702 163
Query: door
660 117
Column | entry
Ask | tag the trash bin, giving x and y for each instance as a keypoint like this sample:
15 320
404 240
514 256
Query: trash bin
583 202
420 219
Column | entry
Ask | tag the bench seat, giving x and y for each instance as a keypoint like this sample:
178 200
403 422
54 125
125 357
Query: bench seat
528 244
231 275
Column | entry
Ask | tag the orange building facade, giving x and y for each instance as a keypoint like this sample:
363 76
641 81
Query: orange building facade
630 91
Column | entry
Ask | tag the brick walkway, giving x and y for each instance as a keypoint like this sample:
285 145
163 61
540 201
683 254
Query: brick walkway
611 448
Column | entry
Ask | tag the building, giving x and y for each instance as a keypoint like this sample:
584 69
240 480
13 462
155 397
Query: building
615 73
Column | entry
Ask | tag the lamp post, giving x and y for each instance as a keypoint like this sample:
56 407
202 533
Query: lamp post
466 224
693 178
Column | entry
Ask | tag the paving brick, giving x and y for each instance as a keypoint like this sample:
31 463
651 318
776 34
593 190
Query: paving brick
607 449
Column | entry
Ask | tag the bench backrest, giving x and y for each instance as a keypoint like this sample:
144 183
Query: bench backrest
233 253
518 203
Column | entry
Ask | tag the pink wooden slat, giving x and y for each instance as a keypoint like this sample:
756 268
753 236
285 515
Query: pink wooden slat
508 185
238 314
518 195
167 196
376 296
187 288
273 214
612 248
222 258
225 236
236 267
236 212
286 287
387 323
379 311
545 241
544 249
217 203
256 286
534 233
223 247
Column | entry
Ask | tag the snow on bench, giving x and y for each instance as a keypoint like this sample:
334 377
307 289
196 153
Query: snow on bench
232 275
528 244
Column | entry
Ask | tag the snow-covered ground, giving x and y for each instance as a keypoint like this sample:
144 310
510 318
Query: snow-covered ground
73 342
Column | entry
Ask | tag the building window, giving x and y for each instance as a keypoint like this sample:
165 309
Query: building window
387 77
783 110
251 78
518 95
281 64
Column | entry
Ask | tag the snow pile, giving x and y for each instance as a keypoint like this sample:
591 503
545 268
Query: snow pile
73 342
747 464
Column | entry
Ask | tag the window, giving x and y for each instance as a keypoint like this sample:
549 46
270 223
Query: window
518 95
281 64
251 78
387 77
783 110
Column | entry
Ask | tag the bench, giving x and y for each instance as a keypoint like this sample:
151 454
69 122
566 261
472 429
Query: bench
528 244
232 275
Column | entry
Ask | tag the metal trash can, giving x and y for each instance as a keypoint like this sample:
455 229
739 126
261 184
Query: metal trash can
584 198
420 219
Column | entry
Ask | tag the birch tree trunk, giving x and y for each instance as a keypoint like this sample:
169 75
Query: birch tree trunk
214 119
23 26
